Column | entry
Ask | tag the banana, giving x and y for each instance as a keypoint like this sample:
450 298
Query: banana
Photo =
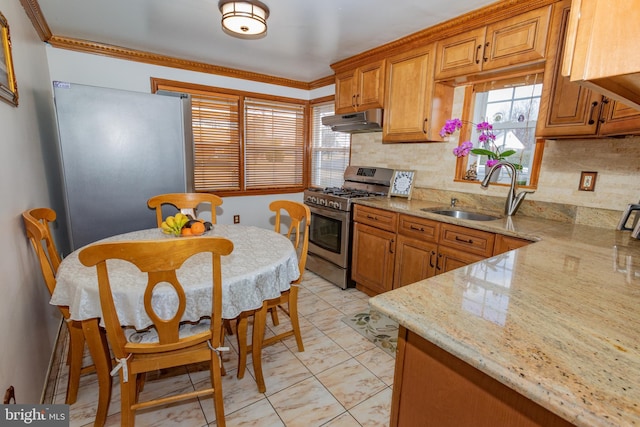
171 222
165 228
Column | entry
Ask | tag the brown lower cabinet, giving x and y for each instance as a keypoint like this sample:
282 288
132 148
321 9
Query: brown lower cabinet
391 250
434 388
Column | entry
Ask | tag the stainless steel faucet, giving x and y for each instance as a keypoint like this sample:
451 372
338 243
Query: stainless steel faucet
513 201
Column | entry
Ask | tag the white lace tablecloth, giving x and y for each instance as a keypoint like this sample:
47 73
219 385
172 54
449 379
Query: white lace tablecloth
261 266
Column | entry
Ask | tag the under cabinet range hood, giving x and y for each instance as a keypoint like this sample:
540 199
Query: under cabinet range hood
359 122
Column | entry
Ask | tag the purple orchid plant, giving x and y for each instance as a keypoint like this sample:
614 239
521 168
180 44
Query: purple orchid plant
487 139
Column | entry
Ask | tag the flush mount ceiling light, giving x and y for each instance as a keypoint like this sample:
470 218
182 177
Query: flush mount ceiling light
244 19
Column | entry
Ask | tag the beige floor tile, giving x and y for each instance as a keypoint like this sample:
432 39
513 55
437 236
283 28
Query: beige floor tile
306 404
351 341
343 420
380 363
327 320
375 411
351 383
322 353
259 414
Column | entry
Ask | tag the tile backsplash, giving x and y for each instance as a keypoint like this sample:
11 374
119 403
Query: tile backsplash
617 161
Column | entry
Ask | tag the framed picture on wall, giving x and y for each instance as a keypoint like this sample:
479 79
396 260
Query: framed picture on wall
402 183
8 86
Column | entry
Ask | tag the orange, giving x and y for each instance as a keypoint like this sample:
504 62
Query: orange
197 228
186 231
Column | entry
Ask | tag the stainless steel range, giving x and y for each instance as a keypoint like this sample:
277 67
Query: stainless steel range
330 234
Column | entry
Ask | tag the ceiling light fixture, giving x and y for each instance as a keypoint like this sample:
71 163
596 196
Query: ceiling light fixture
245 19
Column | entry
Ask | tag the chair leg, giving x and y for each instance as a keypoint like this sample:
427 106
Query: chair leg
76 352
241 333
293 314
128 392
216 382
274 316
227 326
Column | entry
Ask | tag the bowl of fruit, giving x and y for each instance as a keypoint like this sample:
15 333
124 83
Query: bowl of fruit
181 225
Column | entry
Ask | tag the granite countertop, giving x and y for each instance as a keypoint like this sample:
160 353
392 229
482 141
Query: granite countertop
557 320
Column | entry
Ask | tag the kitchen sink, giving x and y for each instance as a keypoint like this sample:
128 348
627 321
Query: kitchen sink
455 213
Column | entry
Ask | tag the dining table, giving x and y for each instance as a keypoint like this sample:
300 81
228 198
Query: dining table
262 265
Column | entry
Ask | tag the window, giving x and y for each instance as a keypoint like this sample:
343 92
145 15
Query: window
245 143
329 149
511 107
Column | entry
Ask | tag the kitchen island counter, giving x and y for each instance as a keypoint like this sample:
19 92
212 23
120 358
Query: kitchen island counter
558 321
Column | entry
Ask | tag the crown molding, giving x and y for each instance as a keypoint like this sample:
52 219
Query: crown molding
33 11
477 18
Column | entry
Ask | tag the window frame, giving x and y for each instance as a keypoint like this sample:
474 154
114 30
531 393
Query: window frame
192 88
466 131
314 103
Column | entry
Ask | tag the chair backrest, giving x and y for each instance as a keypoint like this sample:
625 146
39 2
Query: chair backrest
36 223
159 259
185 203
298 232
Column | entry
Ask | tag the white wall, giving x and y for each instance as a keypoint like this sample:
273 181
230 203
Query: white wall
97 70
29 323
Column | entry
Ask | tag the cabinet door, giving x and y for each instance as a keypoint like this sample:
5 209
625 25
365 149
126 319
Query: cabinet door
449 259
410 94
602 48
461 54
619 119
370 86
372 259
518 40
345 93
415 261
566 109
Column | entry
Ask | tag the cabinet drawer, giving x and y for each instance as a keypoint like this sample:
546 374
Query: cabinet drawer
467 239
379 218
420 228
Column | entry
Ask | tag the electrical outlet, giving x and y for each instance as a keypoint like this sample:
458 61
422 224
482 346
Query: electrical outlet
236 219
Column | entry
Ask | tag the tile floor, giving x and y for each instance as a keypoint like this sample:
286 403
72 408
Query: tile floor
340 380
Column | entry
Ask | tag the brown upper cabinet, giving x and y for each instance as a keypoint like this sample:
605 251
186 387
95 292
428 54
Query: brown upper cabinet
415 107
360 89
515 41
601 48
570 110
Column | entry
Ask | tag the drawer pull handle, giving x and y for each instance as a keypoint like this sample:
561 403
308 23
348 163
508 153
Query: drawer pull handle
477 52
431 259
413 227
438 262
594 104
484 52
469 241
372 217
392 246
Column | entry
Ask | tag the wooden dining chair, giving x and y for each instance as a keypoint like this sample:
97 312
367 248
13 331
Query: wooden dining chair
36 222
298 232
170 342
187 203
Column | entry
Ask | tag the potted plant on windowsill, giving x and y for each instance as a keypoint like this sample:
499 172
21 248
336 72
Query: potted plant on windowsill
486 140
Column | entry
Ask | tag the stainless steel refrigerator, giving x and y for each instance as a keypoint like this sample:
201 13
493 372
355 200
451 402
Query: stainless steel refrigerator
117 149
